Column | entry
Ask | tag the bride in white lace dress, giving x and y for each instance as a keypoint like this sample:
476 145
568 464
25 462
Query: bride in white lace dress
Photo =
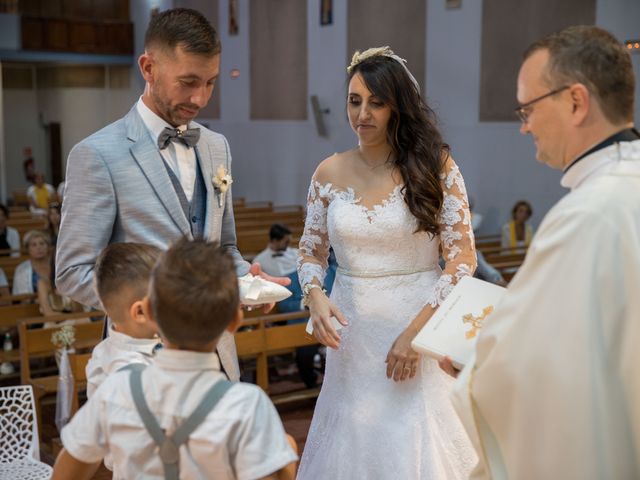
386 207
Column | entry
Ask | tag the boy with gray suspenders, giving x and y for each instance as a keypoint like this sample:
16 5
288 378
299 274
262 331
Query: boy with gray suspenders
180 417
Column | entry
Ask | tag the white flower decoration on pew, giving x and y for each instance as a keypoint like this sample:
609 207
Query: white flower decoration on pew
64 338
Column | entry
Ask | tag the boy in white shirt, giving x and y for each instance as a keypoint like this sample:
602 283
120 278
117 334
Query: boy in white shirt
193 296
122 280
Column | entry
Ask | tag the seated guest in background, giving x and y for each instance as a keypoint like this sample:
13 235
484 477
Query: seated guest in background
485 271
53 222
517 232
27 274
278 258
122 280
40 195
50 300
193 296
9 237
4 288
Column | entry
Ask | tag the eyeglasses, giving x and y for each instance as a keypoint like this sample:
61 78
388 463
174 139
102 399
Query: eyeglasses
523 111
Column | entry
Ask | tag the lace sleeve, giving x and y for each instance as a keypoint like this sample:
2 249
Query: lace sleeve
456 234
314 243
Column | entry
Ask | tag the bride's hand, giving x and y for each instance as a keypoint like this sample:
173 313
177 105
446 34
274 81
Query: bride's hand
402 360
322 310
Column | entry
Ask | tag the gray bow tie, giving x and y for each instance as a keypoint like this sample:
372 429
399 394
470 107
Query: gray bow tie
189 137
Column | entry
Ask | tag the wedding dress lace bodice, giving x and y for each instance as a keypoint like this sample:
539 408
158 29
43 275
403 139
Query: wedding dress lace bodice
365 425
382 240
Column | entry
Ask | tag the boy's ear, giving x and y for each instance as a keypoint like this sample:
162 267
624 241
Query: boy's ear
137 311
235 323
145 313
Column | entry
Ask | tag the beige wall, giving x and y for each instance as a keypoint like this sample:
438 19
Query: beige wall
504 41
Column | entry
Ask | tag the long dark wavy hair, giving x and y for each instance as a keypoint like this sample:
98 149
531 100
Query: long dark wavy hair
417 144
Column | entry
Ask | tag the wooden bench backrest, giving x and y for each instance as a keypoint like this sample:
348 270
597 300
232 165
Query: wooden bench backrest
37 341
269 338
21 214
78 363
505 258
263 340
270 217
10 314
20 197
33 223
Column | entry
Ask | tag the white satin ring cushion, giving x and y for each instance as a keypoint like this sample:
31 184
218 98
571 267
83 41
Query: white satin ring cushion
258 291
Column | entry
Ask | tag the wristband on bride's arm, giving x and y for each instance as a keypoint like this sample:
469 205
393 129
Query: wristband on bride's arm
306 292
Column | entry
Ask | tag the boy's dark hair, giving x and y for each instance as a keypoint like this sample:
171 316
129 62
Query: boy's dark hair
278 231
521 203
194 292
182 27
124 265
5 210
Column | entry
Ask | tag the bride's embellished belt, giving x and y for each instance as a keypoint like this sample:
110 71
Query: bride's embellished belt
385 273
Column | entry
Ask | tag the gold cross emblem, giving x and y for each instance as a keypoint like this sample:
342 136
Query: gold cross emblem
476 322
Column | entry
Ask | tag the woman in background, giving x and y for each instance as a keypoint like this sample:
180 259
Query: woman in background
518 233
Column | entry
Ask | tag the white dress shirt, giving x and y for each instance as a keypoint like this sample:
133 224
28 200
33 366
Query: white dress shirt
114 352
180 158
23 279
278 264
13 239
241 438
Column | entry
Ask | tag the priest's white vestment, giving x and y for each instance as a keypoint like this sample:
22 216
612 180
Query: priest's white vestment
555 388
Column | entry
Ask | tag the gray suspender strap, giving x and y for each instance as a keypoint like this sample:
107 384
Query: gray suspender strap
170 445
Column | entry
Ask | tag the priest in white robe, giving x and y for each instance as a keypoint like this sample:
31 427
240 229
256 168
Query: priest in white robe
554 390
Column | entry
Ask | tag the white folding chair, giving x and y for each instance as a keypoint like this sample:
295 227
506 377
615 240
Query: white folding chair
19 442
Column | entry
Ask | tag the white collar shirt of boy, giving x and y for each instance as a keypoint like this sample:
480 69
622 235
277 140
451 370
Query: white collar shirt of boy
180 158
279 264
114 352
242 438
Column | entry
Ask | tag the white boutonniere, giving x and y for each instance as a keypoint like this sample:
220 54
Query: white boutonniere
221 182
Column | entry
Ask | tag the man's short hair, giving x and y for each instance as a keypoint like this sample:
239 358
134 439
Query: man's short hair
594 57
123 266
182 27
194 292
278 231
4 210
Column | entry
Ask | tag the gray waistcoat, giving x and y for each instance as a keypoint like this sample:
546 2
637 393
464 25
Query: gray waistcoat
196 210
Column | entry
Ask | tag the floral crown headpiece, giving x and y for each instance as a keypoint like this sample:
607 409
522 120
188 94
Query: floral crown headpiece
385 51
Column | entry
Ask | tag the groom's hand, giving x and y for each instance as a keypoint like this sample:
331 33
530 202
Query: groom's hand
256 271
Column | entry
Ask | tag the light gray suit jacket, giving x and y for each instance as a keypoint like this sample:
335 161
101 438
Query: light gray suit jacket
118 190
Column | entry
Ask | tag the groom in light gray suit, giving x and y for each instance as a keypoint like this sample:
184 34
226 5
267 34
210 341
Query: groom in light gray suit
154 175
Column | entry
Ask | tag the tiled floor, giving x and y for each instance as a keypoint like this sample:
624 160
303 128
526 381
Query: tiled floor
296 418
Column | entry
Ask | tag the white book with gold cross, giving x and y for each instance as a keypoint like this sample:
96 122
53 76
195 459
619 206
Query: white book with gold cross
453 330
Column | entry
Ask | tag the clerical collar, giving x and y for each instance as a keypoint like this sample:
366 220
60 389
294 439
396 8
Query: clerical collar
626 135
